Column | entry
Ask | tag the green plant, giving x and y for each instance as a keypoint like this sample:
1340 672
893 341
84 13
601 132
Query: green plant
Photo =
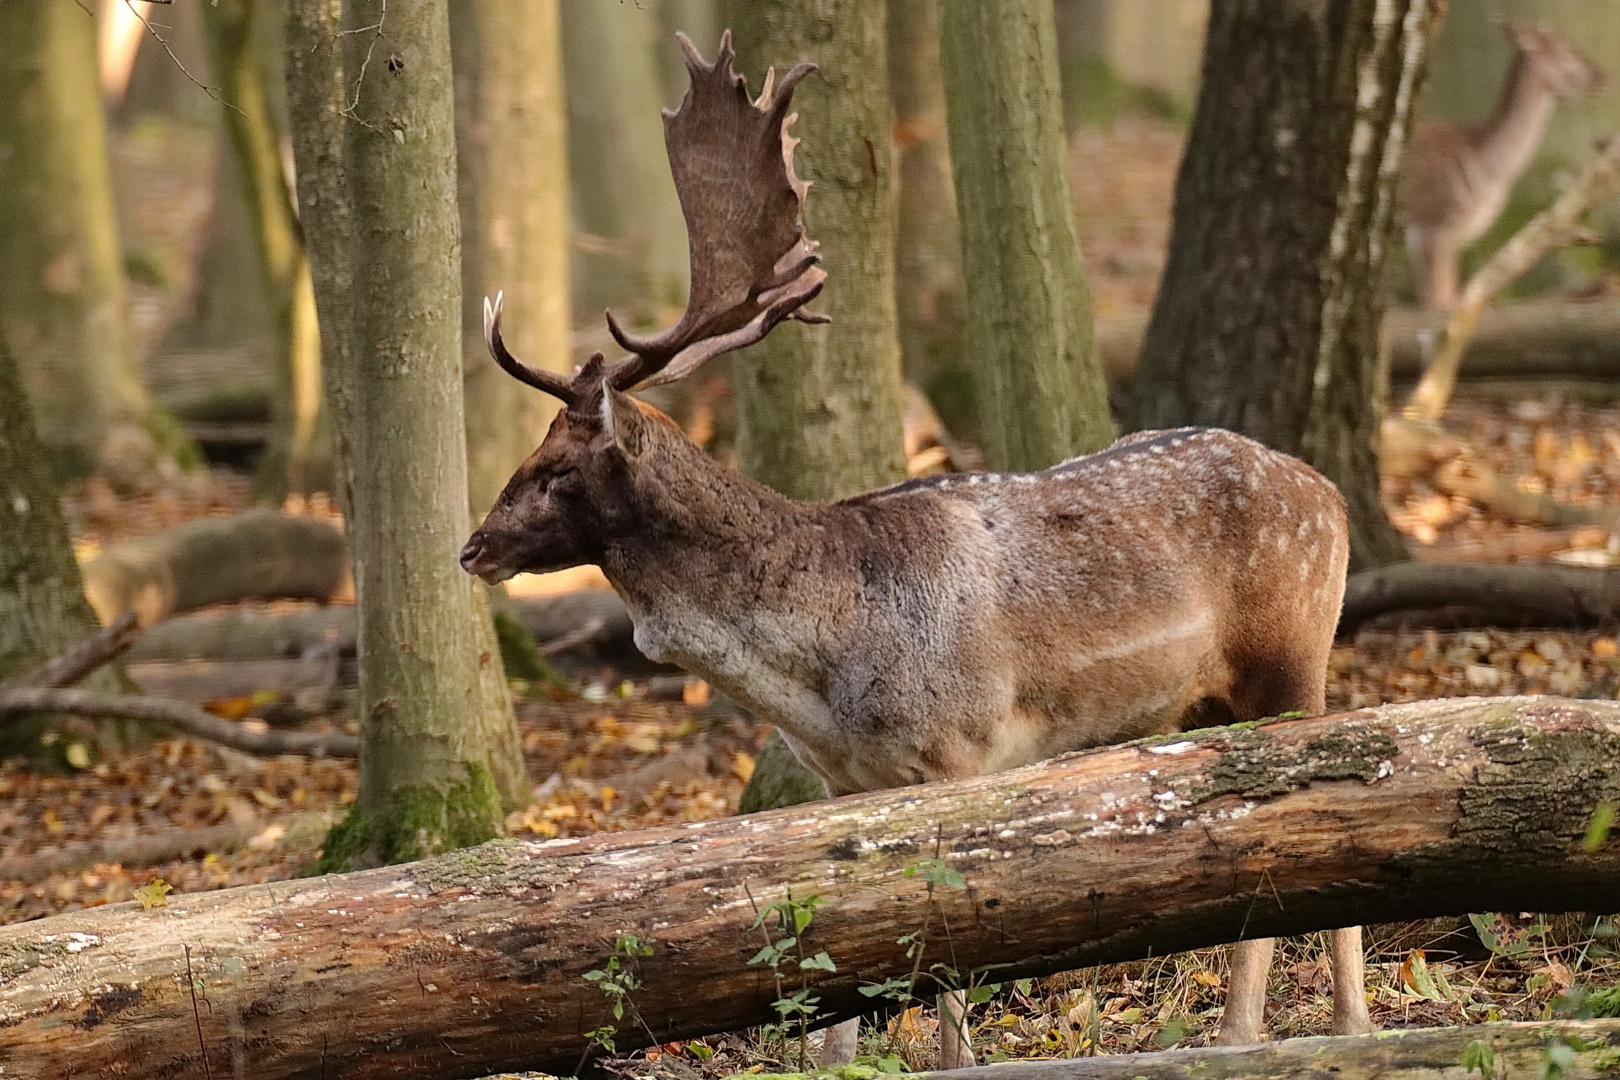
618 979
1479 1055
792 918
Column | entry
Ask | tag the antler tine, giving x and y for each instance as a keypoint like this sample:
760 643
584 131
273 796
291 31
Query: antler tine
549 381
752 264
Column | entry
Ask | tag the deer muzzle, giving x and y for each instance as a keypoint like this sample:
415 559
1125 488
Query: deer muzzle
476 560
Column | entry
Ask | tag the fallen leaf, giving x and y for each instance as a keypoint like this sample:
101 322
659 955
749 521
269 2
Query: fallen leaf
154 893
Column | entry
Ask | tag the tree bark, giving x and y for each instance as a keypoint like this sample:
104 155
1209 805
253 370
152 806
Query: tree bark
475 962
255 136
62 309
439 742
1517 1049
260 554
1041 394
1267 316
928 290
511 132
622 189
819 407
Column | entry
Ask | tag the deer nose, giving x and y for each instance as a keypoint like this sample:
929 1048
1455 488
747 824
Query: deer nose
470 553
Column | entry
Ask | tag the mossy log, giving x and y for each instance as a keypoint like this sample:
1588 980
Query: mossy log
1515 1050
474 962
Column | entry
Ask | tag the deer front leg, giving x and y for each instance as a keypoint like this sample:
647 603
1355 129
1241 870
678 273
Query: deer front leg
1245 1017
841 1044
955 1044
1349 983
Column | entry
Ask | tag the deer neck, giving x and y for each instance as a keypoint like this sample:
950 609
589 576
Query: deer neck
1507 141
726 578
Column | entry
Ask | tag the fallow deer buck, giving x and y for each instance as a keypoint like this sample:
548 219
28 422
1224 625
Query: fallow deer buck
1458 178
944 627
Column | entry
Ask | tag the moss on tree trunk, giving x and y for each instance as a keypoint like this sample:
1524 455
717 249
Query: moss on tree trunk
1041 393
511 129
1267 318
62 306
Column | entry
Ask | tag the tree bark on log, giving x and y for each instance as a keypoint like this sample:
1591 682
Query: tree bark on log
1518 1049
260 554
1481 594
473 962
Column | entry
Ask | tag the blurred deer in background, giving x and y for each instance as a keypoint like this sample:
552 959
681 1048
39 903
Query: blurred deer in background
947 626
1459 177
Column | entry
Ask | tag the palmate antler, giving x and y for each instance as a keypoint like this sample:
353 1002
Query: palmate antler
752 264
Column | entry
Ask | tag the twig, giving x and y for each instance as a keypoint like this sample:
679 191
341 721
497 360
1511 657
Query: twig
211 91
1549 230
196 1015
82 659
580 635
177 714
360 78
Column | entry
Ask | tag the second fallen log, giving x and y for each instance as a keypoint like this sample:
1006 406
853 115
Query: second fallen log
476 962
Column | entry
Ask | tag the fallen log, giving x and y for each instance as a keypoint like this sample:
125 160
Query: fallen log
476 962
258 554
1451 595
1515 1050
1545 340
180 715
266 635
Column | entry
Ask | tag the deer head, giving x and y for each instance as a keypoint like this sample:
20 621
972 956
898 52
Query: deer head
1564 69
752 267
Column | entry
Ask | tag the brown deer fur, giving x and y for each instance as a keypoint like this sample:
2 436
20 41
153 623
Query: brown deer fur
943 627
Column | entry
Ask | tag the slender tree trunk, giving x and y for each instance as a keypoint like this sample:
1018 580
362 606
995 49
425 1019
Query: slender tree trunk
1267 317
315 98
513 185
254 135
1042 397
623 194
929 298
819 406
43 610
697 20
438 736
62 303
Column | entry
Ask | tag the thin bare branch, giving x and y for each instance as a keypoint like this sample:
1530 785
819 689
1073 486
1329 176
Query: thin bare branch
211 91
83 658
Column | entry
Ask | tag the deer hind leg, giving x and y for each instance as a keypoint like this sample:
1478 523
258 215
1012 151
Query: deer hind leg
1436 255
1244 1020
841 1044
955 1044
1349 983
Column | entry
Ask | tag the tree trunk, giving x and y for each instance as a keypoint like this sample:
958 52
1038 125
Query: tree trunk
313 70
476 963
1267 317
623 194
1041 395
62 307
43 611
1516 1050
513 189
928 291
254 134
697 20
439 743
819 407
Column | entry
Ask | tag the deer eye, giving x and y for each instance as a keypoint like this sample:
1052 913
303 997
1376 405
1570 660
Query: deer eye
559 477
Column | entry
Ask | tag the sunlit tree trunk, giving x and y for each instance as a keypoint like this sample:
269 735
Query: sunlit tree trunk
820 405
254 135
1042 397
513 183
1267 317
623 196
439 744
62 301
929 299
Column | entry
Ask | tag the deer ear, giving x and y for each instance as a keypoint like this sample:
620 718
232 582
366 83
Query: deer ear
622 422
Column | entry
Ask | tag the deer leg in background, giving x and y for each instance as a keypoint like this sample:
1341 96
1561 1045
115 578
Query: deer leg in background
1435 255
1245 1016
842 1042
1349 982
955 1043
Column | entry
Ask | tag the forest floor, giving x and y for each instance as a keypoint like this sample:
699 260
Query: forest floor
610 754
